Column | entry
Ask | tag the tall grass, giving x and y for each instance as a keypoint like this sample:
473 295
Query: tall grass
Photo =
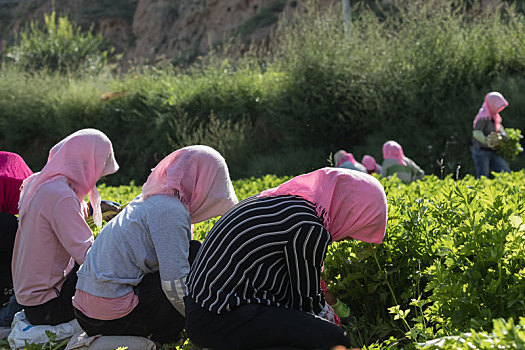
416 73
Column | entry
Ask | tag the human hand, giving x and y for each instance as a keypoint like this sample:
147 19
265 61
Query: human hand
86 209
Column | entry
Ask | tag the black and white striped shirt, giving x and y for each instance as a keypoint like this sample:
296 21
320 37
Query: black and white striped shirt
265 250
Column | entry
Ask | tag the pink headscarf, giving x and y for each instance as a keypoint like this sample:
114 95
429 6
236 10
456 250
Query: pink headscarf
370 164
198 176
82 158
493 104
341 157
13 170
351 203
393 150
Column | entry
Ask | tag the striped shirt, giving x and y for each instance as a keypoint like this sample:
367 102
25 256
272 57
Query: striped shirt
265 250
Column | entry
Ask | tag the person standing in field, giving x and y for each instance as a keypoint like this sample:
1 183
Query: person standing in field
395 162
256 280
487 135
13 170
370 164
343 159
133 279
53 236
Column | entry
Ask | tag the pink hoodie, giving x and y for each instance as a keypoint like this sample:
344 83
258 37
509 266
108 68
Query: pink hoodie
13 170
351 203
198 176
493 104
393 150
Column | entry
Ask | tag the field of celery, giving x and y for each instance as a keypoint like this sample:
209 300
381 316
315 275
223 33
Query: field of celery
452 264
450 273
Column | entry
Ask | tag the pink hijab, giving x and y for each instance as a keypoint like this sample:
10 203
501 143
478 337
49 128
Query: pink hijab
370 164
393 150
493 104
13 170
82 158
351 203
341 157
198 176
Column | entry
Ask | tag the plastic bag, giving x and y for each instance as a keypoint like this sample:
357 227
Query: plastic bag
82 341
22 331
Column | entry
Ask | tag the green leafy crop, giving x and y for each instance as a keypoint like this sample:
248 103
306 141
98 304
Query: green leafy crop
452 263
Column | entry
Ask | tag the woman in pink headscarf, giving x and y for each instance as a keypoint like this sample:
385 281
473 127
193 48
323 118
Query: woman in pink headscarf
343 159
256 280
395 162
133 279
487 135
53 232
370 164
13 170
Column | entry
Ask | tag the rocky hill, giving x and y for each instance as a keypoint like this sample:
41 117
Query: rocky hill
153 30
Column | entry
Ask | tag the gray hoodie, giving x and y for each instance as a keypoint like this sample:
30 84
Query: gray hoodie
146 237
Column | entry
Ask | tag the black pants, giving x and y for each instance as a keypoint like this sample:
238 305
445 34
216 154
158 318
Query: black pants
256 326
8 227
58 310
154 315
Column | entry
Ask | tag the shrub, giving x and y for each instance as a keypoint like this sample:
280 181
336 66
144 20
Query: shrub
510 148
58 46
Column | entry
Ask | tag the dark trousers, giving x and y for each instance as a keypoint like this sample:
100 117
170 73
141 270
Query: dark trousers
8 227
256 326
154 315
58 310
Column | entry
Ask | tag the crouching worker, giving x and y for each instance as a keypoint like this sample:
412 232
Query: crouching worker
52 232
13 170
133 279
256 280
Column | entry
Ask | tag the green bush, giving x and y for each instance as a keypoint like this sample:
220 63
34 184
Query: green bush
452 260
511 147
416 73
58 46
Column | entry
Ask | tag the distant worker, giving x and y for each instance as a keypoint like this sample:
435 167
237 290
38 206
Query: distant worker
370 164
487 135
343 159
395 162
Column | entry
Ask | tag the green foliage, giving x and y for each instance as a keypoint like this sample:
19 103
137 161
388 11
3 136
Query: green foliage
51 345
505 335
510 148
427 65
58 46
284 108
451 261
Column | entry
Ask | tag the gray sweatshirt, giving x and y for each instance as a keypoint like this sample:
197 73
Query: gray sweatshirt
146 237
